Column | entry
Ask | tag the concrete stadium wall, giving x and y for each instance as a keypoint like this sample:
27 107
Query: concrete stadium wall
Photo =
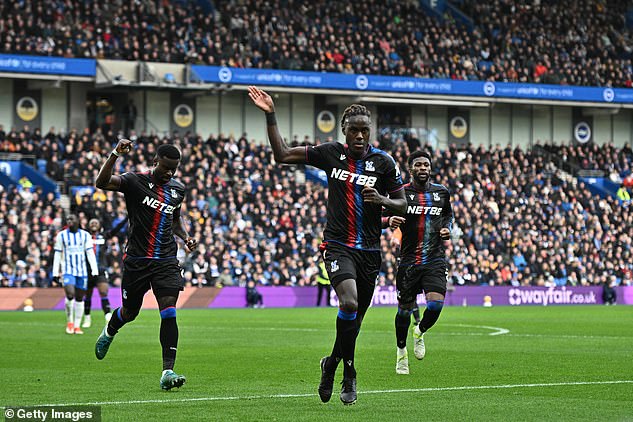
157 111
55 108
6 103
289 297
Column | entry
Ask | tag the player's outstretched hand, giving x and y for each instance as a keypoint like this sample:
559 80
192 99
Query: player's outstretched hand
124 146
372 196
396 221
191 243
445 234
261 99
56 281
394 242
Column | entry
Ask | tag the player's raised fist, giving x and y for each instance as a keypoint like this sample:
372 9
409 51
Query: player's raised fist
191 243
124 146
261 99
445 233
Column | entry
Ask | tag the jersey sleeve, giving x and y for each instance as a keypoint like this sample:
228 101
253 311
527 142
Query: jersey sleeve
89 242
184 198
59 244
448 212
127 181
393 181
317 156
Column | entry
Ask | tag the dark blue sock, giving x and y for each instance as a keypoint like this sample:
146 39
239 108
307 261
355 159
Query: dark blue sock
168 336
431 314
116 322
105 305
346 333
403 319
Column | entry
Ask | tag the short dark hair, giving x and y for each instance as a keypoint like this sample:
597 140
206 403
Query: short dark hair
168 151
354 110
417 154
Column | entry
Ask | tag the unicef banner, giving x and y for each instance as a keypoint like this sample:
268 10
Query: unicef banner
48 65
269 77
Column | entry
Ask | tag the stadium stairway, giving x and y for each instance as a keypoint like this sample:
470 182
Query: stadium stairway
13 168
64 202
595 180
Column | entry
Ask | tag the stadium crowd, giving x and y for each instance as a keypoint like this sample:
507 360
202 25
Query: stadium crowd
567 42
518 220
615 163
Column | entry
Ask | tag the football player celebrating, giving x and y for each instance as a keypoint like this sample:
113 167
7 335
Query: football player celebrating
153 201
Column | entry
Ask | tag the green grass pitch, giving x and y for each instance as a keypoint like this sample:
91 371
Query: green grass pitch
501 363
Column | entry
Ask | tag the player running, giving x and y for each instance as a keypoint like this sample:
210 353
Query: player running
361 180
153 201
101 280
73 247
423 265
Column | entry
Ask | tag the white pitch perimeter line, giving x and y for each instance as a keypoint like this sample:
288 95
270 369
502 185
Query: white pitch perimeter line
291 396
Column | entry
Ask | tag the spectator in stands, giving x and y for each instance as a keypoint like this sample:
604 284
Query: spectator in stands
540 216
587 42
623 194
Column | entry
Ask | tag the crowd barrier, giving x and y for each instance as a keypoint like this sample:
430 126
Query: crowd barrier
295 297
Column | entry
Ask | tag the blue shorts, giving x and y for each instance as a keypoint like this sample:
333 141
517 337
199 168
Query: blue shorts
77 281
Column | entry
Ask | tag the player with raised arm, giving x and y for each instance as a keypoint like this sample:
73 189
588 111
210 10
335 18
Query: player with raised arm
153 200
423 266
73 248
361 181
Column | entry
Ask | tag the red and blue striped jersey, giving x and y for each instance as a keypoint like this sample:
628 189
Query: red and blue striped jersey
150 208
427 212
350 221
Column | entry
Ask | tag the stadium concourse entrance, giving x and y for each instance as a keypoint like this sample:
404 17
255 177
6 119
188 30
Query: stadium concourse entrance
107 110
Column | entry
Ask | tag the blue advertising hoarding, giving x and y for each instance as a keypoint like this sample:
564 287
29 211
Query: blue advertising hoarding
47 65
322 80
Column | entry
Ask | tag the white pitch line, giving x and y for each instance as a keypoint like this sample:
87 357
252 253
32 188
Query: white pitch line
366 331
287 396
496 331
